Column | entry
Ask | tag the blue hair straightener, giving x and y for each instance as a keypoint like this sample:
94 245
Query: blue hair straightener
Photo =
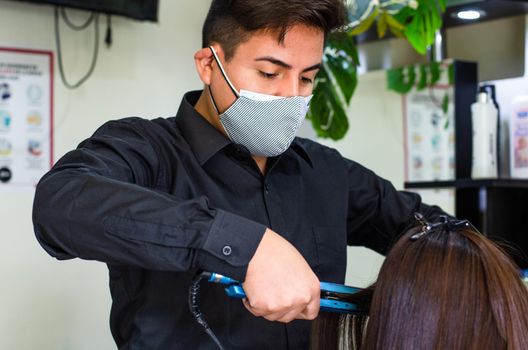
331 294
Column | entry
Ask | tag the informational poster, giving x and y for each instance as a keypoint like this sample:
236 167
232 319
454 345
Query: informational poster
26 116
430 134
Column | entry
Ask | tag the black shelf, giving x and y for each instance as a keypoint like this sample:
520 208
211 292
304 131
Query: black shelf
429 184
497 207
469 183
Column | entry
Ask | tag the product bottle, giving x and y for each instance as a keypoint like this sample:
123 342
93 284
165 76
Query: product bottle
519 137
484 117
501 148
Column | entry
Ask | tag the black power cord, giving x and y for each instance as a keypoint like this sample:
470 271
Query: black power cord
108 37
94 17
194 290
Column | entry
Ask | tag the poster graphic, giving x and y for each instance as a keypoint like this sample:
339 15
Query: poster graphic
430 135
26 116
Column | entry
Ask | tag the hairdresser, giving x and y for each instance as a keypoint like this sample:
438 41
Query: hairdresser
224 186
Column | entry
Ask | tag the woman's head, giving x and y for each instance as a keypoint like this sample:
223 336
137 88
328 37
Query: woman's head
451 288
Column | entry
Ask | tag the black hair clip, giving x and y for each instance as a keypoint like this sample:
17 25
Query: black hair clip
445 222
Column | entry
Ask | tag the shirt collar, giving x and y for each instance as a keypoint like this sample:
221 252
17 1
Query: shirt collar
298 148
205 140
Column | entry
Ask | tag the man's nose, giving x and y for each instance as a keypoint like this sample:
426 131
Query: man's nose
290 87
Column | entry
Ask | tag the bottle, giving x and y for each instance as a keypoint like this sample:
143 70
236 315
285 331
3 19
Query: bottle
501 148
484 118
519 137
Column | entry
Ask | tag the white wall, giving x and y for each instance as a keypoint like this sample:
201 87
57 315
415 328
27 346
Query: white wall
46 304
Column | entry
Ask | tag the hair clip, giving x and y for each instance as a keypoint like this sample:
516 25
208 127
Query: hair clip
445 222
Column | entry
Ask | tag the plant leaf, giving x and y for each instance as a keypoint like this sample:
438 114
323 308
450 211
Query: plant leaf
451 74
382 25
422 80
394 23
416 35
445 103
396 32
401 80
342 62
327 114
335 85
344 73
442 4
365 25
421 24
436 72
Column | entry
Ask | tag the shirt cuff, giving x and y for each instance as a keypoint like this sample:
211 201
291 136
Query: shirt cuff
230 245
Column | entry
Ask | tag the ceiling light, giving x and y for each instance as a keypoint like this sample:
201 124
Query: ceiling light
469 15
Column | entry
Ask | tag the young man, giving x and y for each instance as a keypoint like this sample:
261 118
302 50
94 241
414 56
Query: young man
224 187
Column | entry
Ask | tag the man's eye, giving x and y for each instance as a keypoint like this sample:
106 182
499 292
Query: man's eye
267 75
307 80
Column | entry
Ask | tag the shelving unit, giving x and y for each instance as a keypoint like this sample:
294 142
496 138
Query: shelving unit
497 207
470 183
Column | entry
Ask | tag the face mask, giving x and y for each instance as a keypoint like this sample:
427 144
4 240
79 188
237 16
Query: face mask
265 124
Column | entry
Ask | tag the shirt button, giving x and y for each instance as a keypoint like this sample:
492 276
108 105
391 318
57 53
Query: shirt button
266 188
226 250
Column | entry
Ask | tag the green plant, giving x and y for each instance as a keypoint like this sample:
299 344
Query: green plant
420 77
415 20
335 85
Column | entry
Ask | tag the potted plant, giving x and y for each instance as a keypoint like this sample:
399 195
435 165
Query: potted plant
415 20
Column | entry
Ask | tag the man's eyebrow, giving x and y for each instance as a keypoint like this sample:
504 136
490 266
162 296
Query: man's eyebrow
286 65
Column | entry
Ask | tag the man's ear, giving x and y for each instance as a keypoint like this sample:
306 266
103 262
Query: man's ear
203 60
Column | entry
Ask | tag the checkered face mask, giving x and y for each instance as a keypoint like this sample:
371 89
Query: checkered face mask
266 125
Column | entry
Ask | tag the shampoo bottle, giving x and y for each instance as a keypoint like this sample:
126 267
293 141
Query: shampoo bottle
484 118
501 148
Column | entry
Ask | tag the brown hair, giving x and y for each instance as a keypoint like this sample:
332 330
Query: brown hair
231 22
450 289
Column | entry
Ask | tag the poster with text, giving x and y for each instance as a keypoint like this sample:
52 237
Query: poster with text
430 134
26 116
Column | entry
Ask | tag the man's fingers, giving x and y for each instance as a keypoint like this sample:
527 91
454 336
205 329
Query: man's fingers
303 312
248 306
289 316
311 311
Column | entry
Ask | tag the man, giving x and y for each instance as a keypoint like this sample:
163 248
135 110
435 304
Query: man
223 187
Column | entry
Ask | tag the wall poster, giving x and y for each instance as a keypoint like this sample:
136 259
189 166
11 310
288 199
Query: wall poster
26 116
429 134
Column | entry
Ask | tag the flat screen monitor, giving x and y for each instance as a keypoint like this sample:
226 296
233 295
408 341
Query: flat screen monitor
146 10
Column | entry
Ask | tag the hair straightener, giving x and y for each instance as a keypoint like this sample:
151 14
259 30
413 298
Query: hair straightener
333 296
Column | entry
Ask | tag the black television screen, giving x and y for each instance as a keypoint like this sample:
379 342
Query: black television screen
137 9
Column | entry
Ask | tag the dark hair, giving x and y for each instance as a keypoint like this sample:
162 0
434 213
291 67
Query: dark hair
450 289
231 22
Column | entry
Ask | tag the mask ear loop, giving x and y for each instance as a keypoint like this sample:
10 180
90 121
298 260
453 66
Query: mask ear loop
212 99
237 95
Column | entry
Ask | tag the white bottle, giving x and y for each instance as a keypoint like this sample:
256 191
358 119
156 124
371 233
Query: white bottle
484 118
519 137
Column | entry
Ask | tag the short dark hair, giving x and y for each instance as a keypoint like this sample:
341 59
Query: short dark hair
231 22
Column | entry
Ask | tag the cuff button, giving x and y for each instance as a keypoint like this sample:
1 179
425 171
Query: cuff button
226 250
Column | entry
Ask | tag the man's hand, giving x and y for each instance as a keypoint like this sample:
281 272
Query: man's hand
280 285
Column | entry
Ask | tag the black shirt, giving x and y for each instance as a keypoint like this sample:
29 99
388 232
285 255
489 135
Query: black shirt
158 200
